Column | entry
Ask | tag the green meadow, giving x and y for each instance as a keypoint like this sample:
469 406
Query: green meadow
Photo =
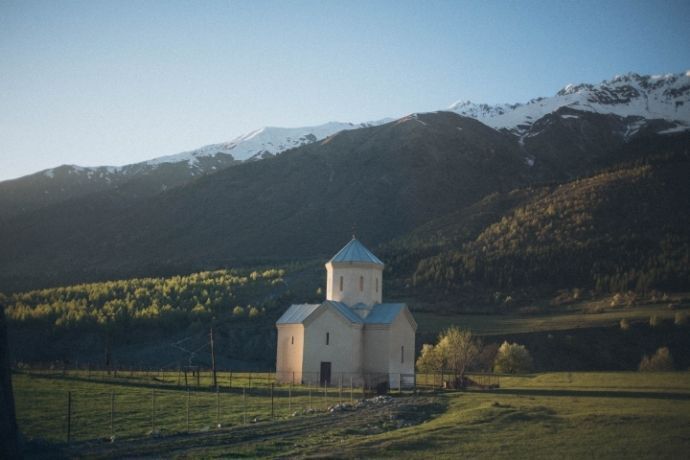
573 415
586 315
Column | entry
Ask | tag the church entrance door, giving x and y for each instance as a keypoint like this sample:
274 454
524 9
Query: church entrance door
325 377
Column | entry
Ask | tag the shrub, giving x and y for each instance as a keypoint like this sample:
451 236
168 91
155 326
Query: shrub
254 312
681 318
512 358
655 321
659 361
238 311
625 324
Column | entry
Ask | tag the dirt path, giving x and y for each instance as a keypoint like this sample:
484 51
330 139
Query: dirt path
299 436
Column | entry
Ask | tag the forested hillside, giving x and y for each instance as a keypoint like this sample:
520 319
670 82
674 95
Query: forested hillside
620 230
88 320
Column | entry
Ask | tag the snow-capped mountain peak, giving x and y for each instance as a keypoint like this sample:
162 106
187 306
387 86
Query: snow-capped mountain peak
664 97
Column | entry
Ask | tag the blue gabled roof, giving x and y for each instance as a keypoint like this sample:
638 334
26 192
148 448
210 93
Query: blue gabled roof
345 311
296 314
384 313
354 251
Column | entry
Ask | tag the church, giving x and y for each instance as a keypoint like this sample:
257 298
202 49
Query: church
351 337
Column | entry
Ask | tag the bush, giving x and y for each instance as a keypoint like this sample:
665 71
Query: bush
254 312
655 321
512 358
238 311
660 361
681 318
625 324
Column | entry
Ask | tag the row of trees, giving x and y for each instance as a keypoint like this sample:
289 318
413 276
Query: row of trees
165 302
458 351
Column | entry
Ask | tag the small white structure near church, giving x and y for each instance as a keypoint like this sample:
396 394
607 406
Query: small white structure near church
352 336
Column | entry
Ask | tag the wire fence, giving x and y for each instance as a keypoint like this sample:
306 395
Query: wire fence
126 403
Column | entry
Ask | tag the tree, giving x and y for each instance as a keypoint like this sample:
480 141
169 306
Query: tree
512 358
658 362
458 351
430 359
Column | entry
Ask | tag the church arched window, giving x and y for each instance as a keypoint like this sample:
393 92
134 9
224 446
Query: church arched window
341 284
377 285
361 283
328 338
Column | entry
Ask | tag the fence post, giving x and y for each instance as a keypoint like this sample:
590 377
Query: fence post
309 397
340 389
217 408
325 394
69 416
290 397
244 406
112 414
153 410
272 401
188 396
230 378
250 382
350 389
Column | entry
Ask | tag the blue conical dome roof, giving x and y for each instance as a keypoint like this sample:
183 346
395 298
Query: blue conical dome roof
354 251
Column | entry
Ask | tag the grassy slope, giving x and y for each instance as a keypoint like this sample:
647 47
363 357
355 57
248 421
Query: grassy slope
544 423
539 416
576 318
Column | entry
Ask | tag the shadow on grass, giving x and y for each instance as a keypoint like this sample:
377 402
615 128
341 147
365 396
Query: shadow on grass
154 385
594 393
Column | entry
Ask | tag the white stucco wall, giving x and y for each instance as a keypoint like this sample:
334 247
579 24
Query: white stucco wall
402 334
351 293
344 350
290 353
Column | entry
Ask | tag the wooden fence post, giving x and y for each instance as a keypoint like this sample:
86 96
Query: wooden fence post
112 414
188 396
244 406
153 410
217 408
69 416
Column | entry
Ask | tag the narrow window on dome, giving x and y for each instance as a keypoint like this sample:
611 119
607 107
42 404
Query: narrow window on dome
293 340
328 338
377 285
361 283
341 284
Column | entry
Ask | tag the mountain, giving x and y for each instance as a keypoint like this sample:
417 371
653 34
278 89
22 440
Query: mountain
622 229
150 177
385 180
633 102
657 97
438 174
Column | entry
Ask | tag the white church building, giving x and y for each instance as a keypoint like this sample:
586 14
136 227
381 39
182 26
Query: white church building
352 336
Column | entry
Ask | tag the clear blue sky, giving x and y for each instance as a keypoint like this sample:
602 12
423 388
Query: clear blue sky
94 83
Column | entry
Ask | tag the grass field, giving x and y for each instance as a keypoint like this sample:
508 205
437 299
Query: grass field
612 415
576 317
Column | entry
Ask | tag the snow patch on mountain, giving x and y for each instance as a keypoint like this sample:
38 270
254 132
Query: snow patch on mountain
664 97
264 142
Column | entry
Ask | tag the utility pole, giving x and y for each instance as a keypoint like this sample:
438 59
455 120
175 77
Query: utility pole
213 362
